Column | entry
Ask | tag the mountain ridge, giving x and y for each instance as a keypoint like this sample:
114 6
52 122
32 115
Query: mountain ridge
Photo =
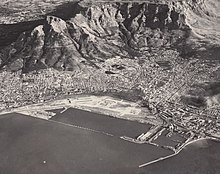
98 32
110 47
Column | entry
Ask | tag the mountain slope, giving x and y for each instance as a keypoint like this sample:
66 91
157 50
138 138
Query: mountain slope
152 50
203 17
98 32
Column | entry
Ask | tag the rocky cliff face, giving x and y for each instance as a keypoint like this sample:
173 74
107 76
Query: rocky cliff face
96 32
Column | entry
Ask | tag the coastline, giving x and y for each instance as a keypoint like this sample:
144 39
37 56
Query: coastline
111 108
180 150
107 105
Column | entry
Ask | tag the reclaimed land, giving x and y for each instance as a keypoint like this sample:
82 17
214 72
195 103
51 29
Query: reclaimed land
102 123
41 146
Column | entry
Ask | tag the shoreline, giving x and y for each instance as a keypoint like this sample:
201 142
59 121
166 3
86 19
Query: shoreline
114 107
107 105
176 153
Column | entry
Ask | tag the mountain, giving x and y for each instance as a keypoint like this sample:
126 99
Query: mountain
97 31
203 17
157 50
93 32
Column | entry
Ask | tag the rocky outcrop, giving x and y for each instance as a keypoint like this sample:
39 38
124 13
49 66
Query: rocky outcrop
48 45
97 31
